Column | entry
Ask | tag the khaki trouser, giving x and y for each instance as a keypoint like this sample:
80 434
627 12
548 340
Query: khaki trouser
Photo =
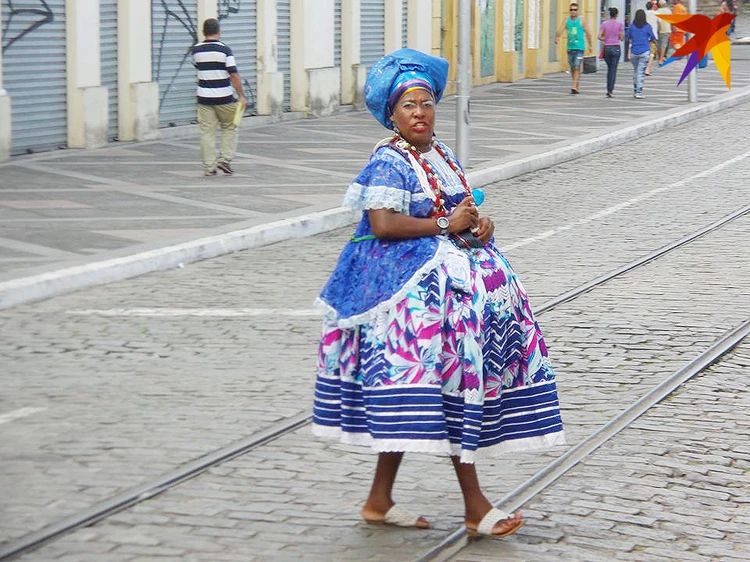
209 116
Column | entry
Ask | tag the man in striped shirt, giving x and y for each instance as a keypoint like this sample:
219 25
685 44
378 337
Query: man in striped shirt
217 73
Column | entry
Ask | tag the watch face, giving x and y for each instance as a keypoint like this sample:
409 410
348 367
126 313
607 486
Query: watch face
443 222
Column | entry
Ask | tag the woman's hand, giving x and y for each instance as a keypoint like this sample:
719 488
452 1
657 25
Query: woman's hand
486 229
465 215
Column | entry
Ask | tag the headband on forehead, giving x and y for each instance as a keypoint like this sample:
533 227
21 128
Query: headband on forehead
399 72
407 82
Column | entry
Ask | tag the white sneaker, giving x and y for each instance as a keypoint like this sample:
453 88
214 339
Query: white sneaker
638 96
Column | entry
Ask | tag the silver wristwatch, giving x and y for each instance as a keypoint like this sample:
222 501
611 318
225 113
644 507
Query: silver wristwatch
443 224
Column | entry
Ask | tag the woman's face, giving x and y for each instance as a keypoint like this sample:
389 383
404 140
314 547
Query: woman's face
414 115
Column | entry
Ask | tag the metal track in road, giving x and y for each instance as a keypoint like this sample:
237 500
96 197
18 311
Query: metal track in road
578 291
454 542
148 490
554 470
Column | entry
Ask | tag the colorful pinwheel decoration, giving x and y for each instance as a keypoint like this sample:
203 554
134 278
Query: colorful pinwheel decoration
708 35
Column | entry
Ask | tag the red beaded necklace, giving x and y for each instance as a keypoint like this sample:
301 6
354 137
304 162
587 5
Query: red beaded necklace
402 145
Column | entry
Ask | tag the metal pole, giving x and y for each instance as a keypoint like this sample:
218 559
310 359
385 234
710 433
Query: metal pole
463 82
693 76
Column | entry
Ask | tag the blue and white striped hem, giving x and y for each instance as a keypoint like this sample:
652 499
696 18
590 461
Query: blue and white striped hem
420 418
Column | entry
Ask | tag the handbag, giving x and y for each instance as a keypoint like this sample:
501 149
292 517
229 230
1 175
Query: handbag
467 239
589 65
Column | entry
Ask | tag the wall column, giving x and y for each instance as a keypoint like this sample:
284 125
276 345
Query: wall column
138 111
437 28
270 94
419 26
314 79
206 9
352 73
5 129
88 117
507 63
393 23
534 55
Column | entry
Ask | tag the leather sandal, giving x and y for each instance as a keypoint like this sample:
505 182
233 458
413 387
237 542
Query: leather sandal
488 522
399 517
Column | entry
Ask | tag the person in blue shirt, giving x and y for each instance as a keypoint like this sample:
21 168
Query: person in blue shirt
641 35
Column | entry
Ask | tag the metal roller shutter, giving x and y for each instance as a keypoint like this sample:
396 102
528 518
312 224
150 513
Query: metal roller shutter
372 31
284 32
337 34
34 45
404 22
174 31
239 32
108 39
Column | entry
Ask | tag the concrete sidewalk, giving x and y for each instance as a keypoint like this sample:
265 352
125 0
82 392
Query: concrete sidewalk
70 219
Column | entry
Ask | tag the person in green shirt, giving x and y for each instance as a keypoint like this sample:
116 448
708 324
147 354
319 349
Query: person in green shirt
576 29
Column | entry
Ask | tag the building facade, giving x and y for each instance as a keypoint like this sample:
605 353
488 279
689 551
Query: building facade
82 73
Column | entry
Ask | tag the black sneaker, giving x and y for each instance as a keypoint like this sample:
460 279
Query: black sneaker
225 167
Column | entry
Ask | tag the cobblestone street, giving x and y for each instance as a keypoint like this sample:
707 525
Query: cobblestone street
129 380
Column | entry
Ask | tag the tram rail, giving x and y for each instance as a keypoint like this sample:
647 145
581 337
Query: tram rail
457 539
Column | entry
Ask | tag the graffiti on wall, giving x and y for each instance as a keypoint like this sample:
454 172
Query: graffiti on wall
24 18
177 19
177 22
227 7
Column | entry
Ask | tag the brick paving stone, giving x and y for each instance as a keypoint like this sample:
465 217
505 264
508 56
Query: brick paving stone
623 518
619 545
92 557
148 551
217 533
606 506
132 535
574 521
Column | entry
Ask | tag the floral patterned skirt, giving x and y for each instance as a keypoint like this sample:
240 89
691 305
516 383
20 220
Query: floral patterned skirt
457 365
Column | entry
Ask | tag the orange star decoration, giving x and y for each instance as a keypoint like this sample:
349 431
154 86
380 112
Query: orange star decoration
708 35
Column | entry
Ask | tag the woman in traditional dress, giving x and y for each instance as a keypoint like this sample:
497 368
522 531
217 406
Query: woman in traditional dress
429 343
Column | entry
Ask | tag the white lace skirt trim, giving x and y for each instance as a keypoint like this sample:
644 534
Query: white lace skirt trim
441 448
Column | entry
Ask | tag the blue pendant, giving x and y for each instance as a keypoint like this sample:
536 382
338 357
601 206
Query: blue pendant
478 195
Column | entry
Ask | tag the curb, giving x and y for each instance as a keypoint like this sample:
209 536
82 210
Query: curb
46 285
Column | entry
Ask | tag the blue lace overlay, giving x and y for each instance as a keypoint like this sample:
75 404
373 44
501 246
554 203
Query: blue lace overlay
371 272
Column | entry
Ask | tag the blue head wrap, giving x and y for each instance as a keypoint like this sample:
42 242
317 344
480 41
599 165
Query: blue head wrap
399 72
